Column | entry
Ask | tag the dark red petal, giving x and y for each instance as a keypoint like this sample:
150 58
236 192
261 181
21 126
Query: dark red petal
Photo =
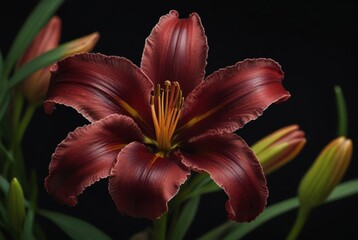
231 97
176 50
234 167
97 86
87 155
142 183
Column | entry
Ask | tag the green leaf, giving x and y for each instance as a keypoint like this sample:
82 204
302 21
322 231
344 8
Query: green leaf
199 184
4 185
240 230
218 232
236 231
75 228
35 21
207 187
342 128
4 103
28 225
29 221
186 217
2 236
2 80
3 215
3 92
39 62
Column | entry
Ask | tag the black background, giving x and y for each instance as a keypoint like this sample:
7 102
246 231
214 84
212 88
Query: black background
314 41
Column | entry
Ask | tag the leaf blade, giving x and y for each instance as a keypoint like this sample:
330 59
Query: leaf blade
75 228
186 217
32 25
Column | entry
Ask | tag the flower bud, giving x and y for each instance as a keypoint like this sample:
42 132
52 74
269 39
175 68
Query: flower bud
35 86
46 39
280 147
82 44
325 173
16 205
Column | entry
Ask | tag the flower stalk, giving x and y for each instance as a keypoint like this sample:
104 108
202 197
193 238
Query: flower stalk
160 228
320 180
342 118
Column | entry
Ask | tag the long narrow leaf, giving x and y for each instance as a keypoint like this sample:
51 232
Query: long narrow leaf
208 187
32 25
4 185
4 103
28 225
3 217
201 184
37 63
218 232
186 218
236 231
342 128
1 69
2 236
3 82
75 228
346 189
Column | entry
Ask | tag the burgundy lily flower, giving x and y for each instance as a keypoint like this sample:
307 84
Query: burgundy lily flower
150 126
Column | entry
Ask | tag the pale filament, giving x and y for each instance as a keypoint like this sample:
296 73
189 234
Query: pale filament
166 105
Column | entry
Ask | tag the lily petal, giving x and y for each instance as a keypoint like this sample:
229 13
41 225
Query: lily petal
231 97
142 183
87 155
234 167
176 50
97 86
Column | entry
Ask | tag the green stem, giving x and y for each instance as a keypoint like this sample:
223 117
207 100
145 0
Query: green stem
24 123
160 228
342 128
233 230
174 216
9 158
301 219
17 110
16 149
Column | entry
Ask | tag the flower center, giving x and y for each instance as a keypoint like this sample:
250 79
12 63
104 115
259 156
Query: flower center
166 105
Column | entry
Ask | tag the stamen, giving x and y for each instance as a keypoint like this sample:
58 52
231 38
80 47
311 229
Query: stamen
166 105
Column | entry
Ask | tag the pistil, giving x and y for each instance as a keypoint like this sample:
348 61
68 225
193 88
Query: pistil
166 105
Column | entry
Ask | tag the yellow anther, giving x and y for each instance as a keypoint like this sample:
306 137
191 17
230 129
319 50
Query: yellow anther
166 105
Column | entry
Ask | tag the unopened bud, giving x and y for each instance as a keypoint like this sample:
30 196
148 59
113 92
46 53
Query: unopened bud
16 205
82 44
280 147
325 173
35 86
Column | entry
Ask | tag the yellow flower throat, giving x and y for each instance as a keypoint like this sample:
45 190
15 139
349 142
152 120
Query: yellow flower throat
166 105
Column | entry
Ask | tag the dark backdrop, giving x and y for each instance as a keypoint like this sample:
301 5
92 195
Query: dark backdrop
314 41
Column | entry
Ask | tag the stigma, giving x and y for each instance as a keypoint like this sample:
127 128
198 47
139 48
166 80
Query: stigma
166 104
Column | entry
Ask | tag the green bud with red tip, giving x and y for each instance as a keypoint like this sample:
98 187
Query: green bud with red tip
279 148
34 87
